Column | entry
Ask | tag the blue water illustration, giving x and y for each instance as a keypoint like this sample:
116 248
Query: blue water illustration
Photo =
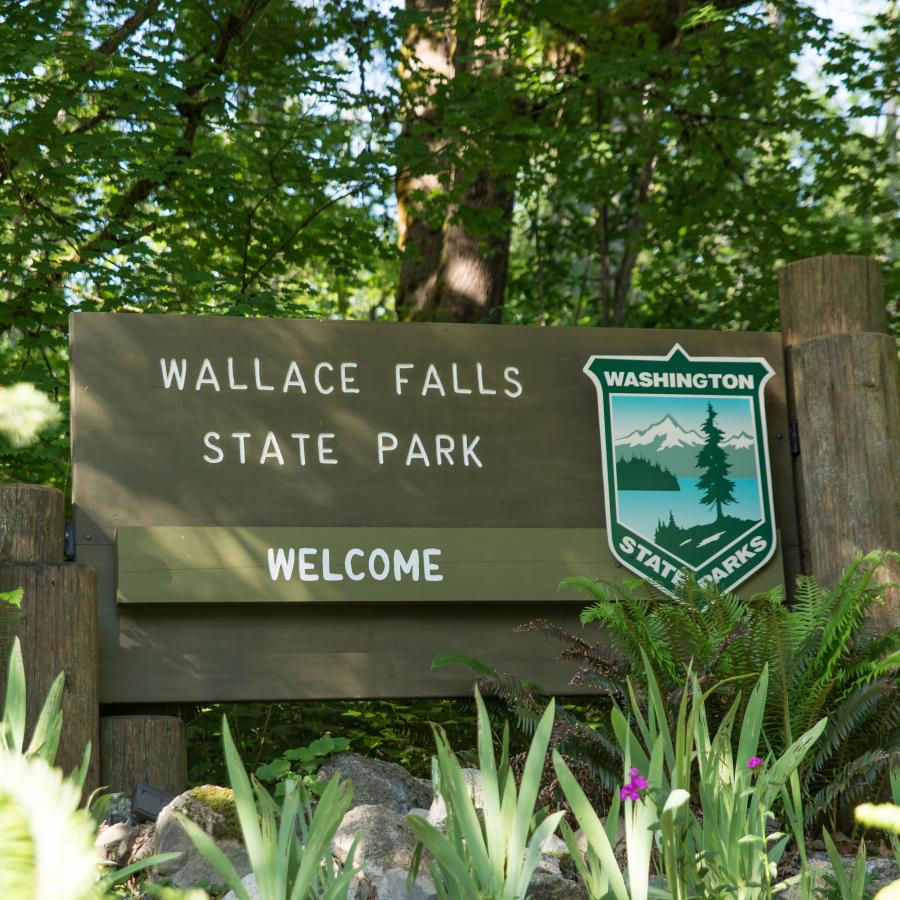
641 511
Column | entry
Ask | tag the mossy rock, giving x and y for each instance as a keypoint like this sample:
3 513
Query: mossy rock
213 809
219 800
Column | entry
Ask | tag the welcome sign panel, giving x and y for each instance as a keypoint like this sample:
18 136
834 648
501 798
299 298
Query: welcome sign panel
296 508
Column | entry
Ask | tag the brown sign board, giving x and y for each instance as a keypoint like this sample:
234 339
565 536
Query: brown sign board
294 508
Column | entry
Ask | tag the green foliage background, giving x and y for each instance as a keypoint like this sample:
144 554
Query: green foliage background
238 157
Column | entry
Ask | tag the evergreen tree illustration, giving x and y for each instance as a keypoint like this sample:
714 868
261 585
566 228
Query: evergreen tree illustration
717 487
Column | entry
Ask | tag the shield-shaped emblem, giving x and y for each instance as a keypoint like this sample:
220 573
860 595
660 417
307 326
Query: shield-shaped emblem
686 465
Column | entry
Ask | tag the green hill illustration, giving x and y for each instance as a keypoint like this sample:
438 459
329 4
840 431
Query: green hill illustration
697 544
639 474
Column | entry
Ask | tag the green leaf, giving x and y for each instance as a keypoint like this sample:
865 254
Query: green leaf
448 659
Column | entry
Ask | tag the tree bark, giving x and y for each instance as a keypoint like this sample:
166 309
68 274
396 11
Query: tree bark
455 269
427 54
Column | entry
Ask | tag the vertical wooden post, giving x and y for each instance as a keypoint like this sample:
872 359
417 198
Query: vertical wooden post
844 395
58 623
148 748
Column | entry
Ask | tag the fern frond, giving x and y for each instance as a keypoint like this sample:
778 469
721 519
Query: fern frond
849 715
846 785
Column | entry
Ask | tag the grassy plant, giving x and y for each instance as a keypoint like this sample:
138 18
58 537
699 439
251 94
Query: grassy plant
493 859
287 866
824 661
726 850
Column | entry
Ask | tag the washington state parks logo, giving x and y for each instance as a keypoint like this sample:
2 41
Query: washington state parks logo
686 465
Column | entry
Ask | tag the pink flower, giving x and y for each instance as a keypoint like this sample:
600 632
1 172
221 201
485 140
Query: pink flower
754 762
632 790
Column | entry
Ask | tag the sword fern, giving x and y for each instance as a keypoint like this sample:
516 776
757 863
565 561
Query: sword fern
823 658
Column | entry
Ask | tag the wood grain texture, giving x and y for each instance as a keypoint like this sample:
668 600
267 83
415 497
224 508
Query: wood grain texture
137 453
828 295
846 400
32 523
322 651
152 749
58 632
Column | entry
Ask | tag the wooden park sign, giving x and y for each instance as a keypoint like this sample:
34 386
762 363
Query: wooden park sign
291 508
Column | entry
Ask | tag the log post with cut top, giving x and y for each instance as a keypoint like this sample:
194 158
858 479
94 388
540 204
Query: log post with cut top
57 624
844 396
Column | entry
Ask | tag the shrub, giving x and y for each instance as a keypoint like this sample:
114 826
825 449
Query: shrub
824 660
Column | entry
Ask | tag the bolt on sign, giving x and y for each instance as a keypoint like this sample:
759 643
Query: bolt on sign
295 508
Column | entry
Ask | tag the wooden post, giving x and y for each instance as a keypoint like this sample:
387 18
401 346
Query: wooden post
144 748
58 623
844 395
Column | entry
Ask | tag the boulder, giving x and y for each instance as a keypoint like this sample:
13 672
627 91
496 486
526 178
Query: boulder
391 885
113 843
548 886
385 839
378 783
249 882
213 809
880 870
437 813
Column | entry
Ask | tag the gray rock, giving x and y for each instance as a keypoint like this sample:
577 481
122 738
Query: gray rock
555 846
549 864
118 810
212 808
385 839
249 882
437 814
114 842
882 870
378 783
548 886
391 885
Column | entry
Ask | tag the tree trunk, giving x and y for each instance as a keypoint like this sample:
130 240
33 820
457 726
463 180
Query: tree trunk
474 264
427 53
454 270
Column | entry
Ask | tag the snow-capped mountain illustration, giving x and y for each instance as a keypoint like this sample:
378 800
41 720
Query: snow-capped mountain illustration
674 447
739 441
662 435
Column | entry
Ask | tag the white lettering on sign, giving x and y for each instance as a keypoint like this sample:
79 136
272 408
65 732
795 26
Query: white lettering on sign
378 564
456 381
417 381
264 377
443 454
689 380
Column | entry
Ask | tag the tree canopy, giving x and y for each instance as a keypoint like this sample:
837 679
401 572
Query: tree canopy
556 161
